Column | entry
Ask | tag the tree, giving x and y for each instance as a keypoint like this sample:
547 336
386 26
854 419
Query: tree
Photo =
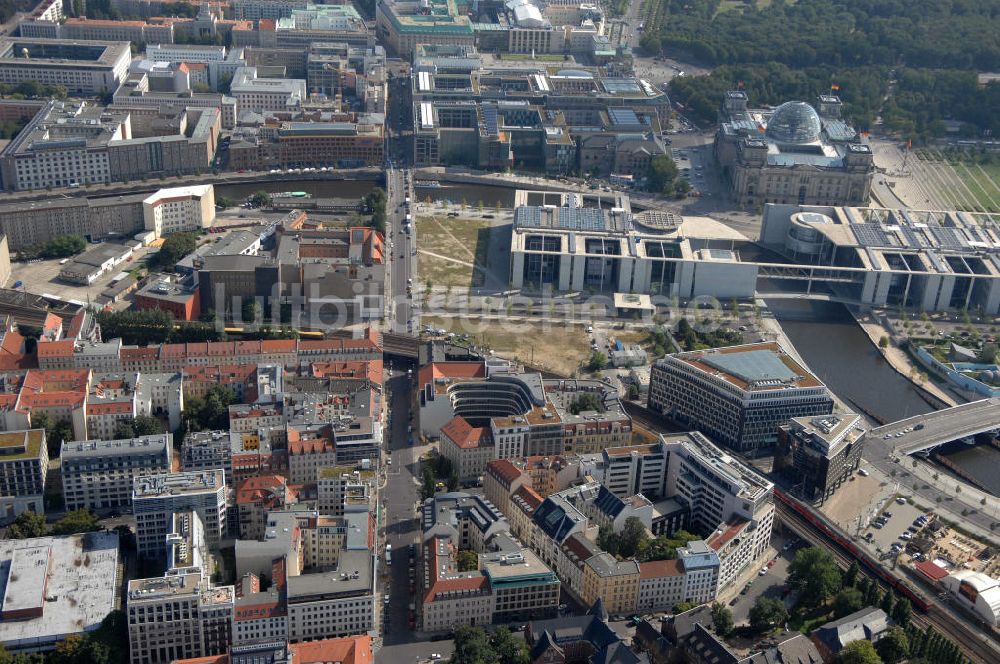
883 342
146 425
472 647
429 483
633 537
858 652
26 525
722 618
683 607
123 430
62 246
767 613
175 247
586 401
662 174
250 310
77 521
260 199
888 601
847 601
597 361
608 540
508 649
894 646
374 203
814 573
902 611
851 575
468 561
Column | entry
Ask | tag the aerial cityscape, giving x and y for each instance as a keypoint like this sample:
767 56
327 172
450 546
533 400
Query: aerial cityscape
499 332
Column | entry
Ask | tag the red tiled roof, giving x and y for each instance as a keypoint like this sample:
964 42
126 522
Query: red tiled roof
931 570
61 348
657 569
719 540
464 435
272 609
109 408
312 446
350 650
454 370
503 470
261 487
531 497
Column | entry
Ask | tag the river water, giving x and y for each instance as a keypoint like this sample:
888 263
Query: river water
472 195
844 358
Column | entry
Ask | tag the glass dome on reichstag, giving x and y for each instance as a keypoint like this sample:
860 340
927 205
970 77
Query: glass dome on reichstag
794 122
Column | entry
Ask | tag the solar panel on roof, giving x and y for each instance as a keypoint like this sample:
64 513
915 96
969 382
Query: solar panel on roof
950 238
872 235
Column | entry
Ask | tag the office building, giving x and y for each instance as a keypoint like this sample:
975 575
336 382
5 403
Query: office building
557 242
468 448
349 140
155 498
726 498
266 94
927 260
738 396
24 462
820 453
526 415
793 154
178 296
48 593
178 616
509 583
100 474
84 68
68 144
190 208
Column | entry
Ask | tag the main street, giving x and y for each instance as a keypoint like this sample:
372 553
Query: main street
398 500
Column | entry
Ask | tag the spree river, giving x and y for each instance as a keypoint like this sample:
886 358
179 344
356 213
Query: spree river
843 357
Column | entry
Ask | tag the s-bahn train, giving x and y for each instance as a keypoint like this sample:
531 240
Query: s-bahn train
848 546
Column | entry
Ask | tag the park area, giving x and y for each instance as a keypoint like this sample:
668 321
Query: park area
453 250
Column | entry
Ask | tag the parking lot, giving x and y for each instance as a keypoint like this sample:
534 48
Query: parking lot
772 584
43 277
903 516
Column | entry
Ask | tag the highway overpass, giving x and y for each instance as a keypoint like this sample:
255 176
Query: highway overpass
943 426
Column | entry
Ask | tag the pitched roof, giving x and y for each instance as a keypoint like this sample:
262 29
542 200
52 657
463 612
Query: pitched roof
503 470
464 435
658 569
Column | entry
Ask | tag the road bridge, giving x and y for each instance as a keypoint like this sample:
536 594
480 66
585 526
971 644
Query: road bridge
924 432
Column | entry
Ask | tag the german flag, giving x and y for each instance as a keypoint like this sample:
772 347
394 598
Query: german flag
834 87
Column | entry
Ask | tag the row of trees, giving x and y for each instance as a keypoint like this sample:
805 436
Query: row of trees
374 203
634 542
30 524
58 247
108 644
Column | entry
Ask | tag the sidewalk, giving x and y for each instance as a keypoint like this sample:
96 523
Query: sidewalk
899 360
